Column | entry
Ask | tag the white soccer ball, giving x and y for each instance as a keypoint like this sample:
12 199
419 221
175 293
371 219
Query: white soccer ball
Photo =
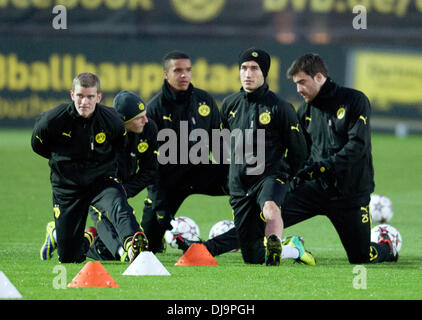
184 226
381 208
220 227
393 233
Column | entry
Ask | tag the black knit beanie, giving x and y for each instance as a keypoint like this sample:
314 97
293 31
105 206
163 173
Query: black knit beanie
259 56
128 104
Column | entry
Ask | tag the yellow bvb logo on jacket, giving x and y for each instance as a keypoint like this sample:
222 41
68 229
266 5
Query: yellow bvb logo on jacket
100 137
204 110
341 112
265 118
143 146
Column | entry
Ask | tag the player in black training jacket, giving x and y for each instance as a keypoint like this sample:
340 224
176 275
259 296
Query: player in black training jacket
338 177
137 168
81 139
180 108
257 190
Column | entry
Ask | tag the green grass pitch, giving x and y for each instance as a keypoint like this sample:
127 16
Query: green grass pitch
25 197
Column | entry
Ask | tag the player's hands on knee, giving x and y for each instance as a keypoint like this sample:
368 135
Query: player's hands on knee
315 170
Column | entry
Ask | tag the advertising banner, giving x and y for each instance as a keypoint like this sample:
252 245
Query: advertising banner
391 80
204 17
36 74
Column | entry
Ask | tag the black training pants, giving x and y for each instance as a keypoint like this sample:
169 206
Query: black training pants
352 223
249 220
71 206
156 220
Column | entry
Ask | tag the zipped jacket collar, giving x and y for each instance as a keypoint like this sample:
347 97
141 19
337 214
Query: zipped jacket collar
256 94
180 96
325 95
71 109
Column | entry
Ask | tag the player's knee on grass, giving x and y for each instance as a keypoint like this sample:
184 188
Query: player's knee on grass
253 252
358 260
358 255
72 254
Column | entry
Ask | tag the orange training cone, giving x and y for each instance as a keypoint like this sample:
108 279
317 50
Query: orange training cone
197 255
93 274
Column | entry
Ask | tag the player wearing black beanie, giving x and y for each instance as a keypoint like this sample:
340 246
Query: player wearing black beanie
259 56
257 193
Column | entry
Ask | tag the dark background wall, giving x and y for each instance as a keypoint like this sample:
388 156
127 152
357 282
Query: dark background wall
123 41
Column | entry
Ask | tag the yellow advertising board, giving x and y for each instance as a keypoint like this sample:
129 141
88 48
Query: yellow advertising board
35 86
389 78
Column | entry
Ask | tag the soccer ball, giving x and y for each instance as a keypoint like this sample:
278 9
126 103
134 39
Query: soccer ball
220 227
184 226
381 208
393 233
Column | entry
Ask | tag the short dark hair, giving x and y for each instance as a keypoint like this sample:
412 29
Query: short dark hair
86 80
173 55
310 63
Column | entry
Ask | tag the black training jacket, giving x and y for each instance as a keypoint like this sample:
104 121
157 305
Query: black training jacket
263 109
138 163
79 150
167 109
337 127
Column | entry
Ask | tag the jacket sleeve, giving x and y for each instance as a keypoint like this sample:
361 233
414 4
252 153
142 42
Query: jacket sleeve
215 115
153 111
294 139
303 117
215 140
120 139
39 139
359 135
224 125
147 167
223 116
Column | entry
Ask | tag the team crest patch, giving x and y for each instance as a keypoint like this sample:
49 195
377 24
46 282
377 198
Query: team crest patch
254 54
100 137
143 146
341 112
265 118
141 106
204 110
